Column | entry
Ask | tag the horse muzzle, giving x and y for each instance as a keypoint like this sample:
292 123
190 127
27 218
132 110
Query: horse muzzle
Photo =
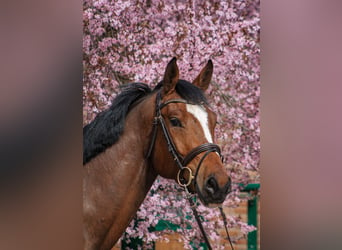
212 192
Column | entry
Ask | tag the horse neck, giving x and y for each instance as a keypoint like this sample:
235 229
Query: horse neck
120 178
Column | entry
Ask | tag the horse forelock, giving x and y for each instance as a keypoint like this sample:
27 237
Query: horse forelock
188 92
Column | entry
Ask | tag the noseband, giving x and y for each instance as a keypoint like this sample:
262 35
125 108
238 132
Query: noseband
181 161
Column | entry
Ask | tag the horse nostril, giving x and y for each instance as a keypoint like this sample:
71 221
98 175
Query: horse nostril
211 185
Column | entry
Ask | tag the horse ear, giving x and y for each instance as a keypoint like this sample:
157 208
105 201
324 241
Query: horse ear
203 79
171 76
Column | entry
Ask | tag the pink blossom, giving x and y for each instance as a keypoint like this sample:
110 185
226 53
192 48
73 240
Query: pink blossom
133 41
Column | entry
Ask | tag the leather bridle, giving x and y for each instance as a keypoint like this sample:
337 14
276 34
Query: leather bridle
182 162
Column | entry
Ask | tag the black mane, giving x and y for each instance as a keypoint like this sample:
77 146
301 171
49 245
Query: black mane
108 125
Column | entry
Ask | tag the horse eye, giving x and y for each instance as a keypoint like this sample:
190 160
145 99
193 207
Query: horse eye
175 122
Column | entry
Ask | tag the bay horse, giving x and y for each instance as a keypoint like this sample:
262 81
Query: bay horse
167 131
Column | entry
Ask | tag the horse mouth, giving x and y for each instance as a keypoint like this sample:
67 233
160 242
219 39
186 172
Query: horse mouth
210 200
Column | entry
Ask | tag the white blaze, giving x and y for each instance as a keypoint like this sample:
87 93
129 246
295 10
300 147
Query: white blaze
202 116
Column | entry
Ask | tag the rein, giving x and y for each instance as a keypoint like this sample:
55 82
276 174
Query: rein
182 162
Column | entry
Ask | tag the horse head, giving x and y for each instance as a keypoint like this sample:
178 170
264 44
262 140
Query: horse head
184 147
